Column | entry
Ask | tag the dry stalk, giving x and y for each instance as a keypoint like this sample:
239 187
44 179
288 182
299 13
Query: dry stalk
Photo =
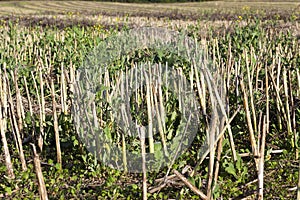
216 140
166 82
219 152
293 114
200 83
124 153
125 119
249 122
190 185
30 109
55 124
144 167
39 174
237 68
251 93
259 128
267 100
76 106
298 78
211 160
158 188
160 99
261 161
222 107
160 111
19 106
95 127
298 185
149 110
28 97
159 121
63 90
40 103
212 132
72 78
3 125
287 107
279 102
178 87
14 124
243 155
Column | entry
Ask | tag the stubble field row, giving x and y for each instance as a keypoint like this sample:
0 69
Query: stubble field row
254 55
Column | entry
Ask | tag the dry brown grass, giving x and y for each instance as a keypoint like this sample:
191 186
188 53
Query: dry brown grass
38 7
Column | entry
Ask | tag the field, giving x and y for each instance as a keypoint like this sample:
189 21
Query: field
71 100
